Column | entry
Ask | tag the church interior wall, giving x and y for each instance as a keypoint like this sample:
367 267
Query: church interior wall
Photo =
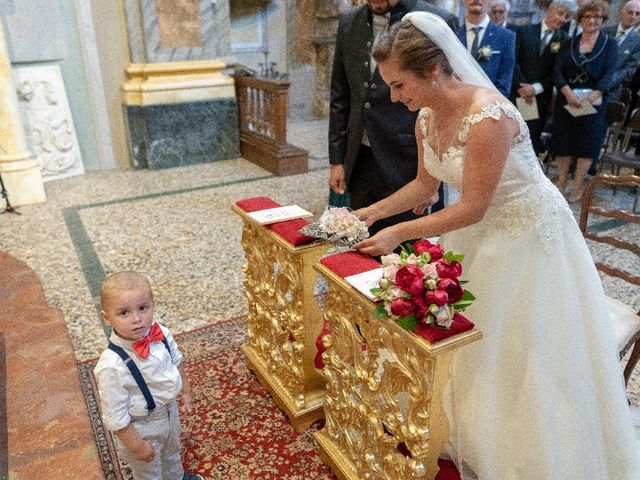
53 39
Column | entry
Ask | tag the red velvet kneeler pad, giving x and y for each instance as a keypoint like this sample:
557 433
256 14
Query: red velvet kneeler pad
288 230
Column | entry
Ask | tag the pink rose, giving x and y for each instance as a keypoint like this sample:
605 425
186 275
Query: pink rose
410 279
447 269
434 249
444 317
402 307
439 297
389 271
421 307
452 287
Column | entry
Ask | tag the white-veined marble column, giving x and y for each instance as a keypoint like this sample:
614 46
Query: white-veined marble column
18 167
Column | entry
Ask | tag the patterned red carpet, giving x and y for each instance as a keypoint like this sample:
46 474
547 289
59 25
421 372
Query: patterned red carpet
236 432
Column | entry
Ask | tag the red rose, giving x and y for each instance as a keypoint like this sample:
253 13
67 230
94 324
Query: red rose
452 287
410 279
434 249
402 307
447 269
421 307
439 297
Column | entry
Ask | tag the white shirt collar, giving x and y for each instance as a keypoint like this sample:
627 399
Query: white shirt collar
482 24
545 28
621 30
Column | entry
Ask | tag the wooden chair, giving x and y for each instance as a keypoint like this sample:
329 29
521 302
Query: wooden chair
625 156
626 321
625 97
615 115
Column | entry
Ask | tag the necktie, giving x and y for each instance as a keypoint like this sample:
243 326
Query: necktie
476 42
545 40
620 37
143 345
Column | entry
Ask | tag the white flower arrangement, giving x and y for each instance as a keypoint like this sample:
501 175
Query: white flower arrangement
338 225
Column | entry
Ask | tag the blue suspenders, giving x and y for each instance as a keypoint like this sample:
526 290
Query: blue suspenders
137 376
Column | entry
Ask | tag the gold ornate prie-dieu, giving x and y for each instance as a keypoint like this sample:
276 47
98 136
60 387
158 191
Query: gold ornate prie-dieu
283 320
383 404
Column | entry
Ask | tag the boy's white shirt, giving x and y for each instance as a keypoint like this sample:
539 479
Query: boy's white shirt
120 396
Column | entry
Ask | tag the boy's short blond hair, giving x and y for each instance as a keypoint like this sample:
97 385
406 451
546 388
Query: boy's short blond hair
120 282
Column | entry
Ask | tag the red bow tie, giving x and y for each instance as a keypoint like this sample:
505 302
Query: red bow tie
143 345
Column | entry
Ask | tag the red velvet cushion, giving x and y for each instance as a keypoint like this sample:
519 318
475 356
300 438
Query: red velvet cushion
432 334
448 470
257 203
349 263
288 230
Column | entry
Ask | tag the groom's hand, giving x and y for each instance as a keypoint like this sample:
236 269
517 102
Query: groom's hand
336 179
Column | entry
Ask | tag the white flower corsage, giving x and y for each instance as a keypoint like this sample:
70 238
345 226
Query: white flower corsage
338 225
486 52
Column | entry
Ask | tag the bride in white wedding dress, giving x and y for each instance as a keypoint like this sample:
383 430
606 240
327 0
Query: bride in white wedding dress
541 396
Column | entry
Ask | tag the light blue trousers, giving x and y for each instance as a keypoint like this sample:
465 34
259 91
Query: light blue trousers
162 430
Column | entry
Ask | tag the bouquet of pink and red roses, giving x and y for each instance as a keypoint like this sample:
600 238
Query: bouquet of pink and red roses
421 286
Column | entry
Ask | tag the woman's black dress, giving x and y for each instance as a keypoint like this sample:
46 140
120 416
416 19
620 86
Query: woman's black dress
582 136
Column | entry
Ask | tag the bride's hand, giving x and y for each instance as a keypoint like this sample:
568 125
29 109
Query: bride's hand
381 243
422 206
367 215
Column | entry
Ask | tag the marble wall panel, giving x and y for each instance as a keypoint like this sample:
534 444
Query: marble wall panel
35 31
173 135
49 125
179 23
7 7
166 30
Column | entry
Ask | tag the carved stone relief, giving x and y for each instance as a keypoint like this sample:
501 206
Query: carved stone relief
48 122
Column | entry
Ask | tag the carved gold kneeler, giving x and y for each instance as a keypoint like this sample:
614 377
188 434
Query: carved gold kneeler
383 403
283 320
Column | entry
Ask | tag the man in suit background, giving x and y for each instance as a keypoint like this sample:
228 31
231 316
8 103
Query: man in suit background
492 46
628 42
499 12
537 46
372 145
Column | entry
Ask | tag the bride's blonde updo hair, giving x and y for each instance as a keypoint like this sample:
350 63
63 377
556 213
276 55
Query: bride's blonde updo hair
413 49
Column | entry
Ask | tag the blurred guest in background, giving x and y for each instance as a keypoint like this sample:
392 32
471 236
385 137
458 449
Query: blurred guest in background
493 47
583 72
628 42
537 47
499 12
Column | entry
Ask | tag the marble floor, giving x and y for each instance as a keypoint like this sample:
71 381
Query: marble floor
176 226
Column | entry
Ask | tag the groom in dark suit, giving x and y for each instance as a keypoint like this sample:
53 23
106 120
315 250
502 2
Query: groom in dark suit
492 46
372 145
537 47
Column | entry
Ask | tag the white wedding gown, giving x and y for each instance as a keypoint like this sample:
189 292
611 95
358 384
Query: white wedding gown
541 396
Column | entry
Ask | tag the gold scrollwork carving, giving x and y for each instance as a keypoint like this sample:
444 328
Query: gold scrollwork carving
283 320
383 408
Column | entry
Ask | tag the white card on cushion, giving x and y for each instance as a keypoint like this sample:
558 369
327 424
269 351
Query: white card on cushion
365 281
279 214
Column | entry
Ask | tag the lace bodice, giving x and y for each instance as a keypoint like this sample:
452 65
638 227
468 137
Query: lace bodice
523 197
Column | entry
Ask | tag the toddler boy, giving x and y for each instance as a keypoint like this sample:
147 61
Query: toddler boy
139 377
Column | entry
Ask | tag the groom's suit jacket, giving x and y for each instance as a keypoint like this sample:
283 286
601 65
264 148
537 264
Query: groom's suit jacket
499 67
360 99
531 66
628 60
